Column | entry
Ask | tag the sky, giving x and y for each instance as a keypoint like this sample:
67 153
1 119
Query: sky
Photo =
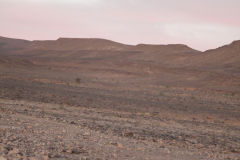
202 25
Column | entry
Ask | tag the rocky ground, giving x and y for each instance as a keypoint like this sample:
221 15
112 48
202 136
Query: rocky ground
32 130
166 102
46 119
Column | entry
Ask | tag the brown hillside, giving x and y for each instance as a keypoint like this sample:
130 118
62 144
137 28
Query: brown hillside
10 44
224 59
66 44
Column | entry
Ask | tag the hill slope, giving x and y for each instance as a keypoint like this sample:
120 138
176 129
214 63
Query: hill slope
10 44
66 44
106 51
224 59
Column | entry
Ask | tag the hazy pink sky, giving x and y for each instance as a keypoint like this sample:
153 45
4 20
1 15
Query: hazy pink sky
201 24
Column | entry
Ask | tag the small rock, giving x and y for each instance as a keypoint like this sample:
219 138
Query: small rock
140 149
128 134
84 158
2 149
76 150
86 134
72 122
147 114
29 127
2 158
120 146
167 151
45 157
193 141
59 137
13 151
154 140
113 143
161 146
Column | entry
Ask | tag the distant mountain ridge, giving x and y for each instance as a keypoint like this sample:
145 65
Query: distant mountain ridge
168 47
94 43
177 55
63 44
78 44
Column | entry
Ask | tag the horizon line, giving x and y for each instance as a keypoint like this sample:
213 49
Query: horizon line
154 44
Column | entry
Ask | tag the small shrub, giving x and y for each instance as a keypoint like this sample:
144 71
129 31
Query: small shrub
62 107
192 97
78 80
67 102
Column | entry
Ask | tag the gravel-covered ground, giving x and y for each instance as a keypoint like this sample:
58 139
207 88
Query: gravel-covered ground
31 130
47 114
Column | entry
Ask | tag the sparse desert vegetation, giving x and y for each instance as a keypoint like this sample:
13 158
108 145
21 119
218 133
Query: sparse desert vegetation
78 80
